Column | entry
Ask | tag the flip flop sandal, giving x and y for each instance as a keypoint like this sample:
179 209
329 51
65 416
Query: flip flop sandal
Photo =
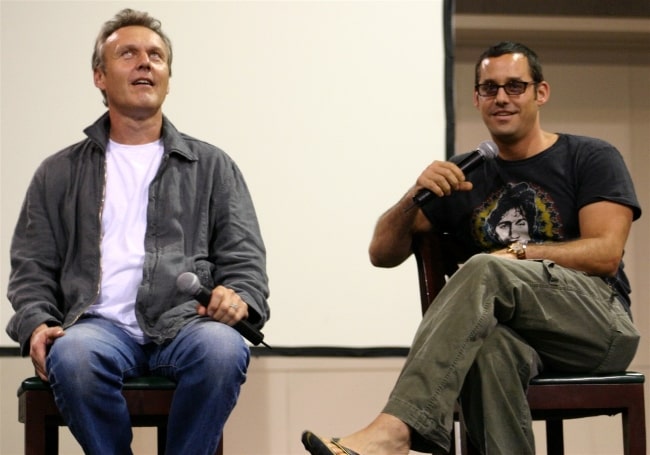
317 446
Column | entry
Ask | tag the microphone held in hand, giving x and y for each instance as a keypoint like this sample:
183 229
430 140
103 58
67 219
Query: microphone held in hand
189 283
486 150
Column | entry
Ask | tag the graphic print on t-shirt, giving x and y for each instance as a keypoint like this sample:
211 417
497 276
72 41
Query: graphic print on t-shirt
516 212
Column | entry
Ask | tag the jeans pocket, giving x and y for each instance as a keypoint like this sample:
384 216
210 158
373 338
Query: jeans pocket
549 269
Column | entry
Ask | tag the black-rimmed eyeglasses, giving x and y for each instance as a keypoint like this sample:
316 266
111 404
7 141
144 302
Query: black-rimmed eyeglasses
511 88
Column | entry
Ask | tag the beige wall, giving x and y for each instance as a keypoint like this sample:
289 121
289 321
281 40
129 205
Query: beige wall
296 92
598 91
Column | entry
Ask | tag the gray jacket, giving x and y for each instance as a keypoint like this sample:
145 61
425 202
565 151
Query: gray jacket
200 218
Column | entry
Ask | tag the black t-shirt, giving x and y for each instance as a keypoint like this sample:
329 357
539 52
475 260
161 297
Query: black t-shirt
536 199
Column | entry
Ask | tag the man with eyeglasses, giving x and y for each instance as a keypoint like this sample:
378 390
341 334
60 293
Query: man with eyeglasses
554 299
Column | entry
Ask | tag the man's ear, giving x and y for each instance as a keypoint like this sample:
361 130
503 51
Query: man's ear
543 92
98 79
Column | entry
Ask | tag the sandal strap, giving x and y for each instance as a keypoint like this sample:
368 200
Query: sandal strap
345 450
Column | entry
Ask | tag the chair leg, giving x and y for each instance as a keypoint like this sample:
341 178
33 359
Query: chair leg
161 438
35 437
452 446
466 445
634 439
41 438
41 432
52 439
554 437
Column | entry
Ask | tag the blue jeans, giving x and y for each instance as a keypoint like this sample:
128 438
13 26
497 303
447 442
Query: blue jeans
86 367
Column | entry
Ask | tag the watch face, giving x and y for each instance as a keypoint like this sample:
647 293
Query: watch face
517 249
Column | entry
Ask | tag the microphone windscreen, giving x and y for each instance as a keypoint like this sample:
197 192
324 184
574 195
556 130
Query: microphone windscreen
488 149
188 282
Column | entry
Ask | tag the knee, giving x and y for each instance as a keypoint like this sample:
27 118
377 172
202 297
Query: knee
88 353
217 346
70 361
482 262
487 265
69 352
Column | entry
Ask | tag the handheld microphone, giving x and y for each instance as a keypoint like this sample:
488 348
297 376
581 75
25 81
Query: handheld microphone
189 283
486 150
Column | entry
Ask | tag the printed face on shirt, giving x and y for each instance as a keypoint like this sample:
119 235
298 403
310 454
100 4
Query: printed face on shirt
516 212
512 226
135 76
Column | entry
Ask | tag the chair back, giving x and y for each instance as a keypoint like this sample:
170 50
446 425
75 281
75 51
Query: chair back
437 258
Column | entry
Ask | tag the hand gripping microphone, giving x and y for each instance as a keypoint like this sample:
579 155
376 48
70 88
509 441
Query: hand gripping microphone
485 151
189 283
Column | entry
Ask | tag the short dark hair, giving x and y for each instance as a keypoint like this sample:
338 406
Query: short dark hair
509 47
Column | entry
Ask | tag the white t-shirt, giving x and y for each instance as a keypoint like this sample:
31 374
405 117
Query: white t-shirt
129 172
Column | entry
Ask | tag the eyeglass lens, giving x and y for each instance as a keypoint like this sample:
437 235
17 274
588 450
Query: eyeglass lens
511 88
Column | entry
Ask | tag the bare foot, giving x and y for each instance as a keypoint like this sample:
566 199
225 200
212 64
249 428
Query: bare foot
386 435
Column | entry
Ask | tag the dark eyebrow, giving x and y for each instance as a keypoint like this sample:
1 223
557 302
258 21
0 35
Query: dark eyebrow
493 82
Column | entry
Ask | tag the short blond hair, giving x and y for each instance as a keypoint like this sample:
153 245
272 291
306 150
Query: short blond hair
125 18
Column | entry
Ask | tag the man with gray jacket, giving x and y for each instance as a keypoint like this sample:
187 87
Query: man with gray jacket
107 226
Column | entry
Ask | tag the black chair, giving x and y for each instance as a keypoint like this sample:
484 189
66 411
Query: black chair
552 398
148 399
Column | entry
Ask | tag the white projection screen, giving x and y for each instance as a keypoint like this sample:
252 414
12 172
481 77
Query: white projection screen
331 109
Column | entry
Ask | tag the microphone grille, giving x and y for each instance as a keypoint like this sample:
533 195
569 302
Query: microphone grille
188 282
488 149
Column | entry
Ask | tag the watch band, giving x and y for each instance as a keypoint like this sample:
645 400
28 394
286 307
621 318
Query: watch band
518 249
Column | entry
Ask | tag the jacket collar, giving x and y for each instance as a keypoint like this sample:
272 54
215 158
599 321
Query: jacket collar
173 140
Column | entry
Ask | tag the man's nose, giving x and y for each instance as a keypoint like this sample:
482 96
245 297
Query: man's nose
144 62
501 95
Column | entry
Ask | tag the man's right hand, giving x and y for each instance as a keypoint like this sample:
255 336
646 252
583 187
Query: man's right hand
392 239
442 178
42 337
